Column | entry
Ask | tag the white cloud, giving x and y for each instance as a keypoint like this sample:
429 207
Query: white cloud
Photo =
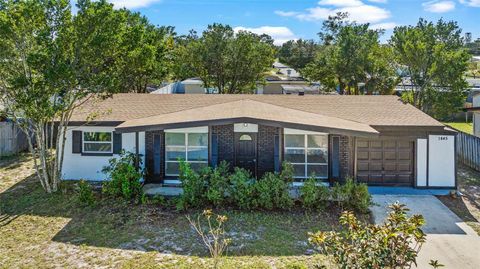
280 34
383 25
378 1
133 3
286 13
358 11
340 3
472 3
439 6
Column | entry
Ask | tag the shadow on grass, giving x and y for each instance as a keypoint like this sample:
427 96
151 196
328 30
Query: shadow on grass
119 225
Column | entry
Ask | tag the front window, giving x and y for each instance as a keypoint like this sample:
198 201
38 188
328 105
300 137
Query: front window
97 142
308 155
190 147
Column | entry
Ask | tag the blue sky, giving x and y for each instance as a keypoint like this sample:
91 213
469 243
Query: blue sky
292 19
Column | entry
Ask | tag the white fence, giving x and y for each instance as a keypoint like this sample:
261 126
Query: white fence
12 139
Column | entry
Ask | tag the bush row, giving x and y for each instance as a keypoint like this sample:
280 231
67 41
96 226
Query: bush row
351 195
218 187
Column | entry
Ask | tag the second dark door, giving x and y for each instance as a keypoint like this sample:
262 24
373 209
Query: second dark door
246 151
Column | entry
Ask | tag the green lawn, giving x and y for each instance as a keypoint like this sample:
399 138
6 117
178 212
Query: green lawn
54 231
462 126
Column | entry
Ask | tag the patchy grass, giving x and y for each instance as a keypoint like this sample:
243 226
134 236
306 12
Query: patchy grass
54 231
466 127
466 207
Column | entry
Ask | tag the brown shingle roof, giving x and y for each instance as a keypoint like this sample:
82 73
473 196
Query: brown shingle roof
370 110
248 110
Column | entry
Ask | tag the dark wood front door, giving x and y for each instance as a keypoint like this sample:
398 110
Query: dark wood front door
385 162
246 151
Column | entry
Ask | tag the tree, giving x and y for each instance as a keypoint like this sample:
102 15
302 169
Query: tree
297 54
434 59
50 63
229 62
142 50
350 55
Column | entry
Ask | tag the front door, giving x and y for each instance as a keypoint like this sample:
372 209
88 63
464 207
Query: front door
246 151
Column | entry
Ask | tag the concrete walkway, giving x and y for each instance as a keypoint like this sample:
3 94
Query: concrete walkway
449 240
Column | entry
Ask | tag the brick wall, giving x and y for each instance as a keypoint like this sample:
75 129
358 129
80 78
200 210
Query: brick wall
346 157
226 143
265 149
149 165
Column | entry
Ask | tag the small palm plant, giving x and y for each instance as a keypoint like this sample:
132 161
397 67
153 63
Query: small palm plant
213 235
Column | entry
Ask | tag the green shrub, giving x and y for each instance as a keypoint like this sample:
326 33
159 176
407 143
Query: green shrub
352 195
218 186
155 200
194 187
393 244
242 188
85 193
360 199
124 177
272 192
314 195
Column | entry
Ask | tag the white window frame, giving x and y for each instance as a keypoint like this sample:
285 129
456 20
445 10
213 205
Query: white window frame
187 147
305 148
97 142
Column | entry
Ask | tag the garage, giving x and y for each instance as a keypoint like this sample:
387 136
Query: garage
385 162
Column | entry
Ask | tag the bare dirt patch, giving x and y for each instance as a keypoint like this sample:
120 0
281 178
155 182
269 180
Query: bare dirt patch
466 207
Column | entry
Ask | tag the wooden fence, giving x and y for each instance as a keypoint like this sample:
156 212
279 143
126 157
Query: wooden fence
468 150
12 139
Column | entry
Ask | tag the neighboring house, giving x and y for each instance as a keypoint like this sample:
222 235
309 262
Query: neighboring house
279 85
286 70
375 139
188 86
476 113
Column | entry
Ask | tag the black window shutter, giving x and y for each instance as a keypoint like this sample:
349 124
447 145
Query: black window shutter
117 143
76 141
335 155
214 153
276 153
157 154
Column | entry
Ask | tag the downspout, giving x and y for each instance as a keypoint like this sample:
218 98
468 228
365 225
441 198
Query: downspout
137 155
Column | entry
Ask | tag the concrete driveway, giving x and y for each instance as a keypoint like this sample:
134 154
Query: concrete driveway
449 240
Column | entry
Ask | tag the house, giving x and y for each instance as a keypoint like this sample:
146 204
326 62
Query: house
375 139
285 70
188 86
281 85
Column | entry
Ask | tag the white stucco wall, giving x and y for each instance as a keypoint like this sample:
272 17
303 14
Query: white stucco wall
441 161
422 162
476 124
76 166
476 115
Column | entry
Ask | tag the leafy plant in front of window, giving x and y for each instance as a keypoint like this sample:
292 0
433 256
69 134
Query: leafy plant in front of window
393 244
314 195
124 177
194 187
272 191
